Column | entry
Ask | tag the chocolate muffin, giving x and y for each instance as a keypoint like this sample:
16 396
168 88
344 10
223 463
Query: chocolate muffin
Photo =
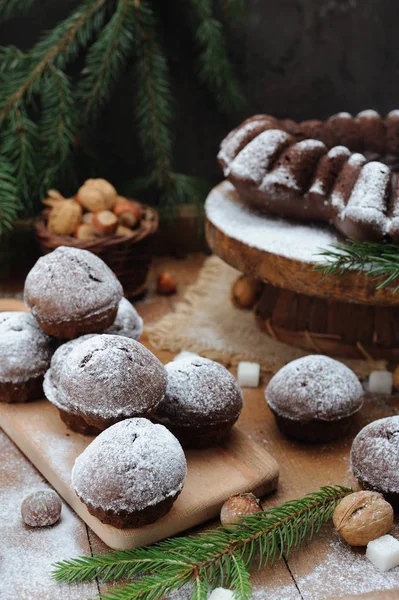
102 379
315 398
131 474
71 292
375 458
128 322
25 354
202 402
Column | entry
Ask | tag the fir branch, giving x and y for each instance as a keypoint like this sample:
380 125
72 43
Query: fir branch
377 260
57 126
10 59
9 8
57 48
220 556
154 97
106 60
214 66
20 144
9 205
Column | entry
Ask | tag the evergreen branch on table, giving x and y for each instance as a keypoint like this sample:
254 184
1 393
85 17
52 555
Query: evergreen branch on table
106 60
222 556
378 260
9 205
214 67
154 98
10 58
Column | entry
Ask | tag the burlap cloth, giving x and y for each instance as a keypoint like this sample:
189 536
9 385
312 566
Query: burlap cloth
207 323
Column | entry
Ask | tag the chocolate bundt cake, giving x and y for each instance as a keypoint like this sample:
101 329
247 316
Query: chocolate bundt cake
344 170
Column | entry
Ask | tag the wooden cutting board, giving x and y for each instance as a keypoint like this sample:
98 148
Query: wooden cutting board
214 474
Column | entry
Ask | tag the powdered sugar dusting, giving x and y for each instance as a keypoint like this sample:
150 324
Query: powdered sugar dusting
393 114
369 114
367 200
231 143
266 233
108 376
70 283
128 322
342 115
27 555
357 159
25 349
254 159
131 465
199 389
314 386
319 184
375 454
338 151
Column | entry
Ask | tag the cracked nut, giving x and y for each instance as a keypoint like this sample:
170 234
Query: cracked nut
362 517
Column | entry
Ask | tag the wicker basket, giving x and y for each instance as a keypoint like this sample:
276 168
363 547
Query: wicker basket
128 257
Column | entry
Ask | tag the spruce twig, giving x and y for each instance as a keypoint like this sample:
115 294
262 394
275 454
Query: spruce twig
377 260
222 556
8 8
214 67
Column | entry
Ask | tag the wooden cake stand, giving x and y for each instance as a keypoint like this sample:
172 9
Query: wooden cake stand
341 316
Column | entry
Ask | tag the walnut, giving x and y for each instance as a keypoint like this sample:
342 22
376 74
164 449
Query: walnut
64 217
362 517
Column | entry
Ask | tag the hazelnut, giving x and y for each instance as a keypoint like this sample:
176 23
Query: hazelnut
123 231
105 222
128 212
238 506
166 285
246 291
362 517
86 231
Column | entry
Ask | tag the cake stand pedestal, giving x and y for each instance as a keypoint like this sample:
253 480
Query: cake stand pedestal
341 316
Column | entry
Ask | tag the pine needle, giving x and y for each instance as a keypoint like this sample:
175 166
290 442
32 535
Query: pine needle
221 556
377 260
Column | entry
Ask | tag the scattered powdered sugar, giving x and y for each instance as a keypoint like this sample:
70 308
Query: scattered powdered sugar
70 283
128 322
254 159
129 466
25 349
304 242
319 185
337 151
375 454
27 555
199 389
106 376
314 386
367 200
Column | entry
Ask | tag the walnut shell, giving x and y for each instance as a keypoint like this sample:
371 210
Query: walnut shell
96 195
362 517
64 217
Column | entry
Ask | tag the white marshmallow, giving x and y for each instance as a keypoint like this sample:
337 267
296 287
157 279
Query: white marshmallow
221 594
185 354
248 374
383 552
380 382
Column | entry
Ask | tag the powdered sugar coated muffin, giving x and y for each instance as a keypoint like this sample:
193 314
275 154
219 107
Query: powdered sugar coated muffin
131 474
71 292
25 354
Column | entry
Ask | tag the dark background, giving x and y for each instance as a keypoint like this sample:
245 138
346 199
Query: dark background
296 58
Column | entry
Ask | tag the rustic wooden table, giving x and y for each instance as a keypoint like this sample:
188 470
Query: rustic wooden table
325 568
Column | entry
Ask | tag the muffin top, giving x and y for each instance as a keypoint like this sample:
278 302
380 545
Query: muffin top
375 454
25 349
128 322
69 284
199 391
314 387
106 376
129 466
